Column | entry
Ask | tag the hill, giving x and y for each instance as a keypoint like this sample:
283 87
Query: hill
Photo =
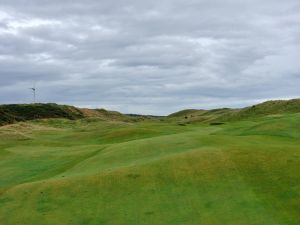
186 112
102 114
16 113
264 109
227 114
23 112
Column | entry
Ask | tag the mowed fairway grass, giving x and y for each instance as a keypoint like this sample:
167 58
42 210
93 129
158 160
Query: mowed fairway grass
92 172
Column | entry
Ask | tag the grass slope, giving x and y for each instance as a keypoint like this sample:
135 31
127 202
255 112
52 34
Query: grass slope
15 113
226 114
91 172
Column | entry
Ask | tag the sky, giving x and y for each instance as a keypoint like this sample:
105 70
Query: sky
149 57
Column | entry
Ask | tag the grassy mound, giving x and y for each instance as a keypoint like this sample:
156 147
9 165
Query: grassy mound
22 112
226 114
266 108
102 114
15 113
185 112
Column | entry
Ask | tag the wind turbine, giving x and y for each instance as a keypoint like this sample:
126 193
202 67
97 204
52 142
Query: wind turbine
34 93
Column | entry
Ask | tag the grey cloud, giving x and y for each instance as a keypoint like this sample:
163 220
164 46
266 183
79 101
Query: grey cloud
149 57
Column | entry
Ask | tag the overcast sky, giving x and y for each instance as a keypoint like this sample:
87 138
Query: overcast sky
151 57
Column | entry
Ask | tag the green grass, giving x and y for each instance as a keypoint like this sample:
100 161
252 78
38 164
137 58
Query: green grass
96 172
10 114
23 112
226 114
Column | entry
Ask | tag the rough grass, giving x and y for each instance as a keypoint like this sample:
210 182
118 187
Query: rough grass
15 113
99 172
276 107
23 112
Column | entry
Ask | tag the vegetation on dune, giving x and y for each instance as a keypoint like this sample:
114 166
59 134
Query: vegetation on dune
185 112
15 113
23 112
266 108
227 114
103 114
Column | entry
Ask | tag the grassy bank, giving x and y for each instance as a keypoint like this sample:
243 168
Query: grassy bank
82 172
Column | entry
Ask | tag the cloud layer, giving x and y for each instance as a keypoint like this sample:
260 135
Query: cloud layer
151 57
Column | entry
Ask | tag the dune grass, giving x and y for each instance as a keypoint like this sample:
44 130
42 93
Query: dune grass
119 173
